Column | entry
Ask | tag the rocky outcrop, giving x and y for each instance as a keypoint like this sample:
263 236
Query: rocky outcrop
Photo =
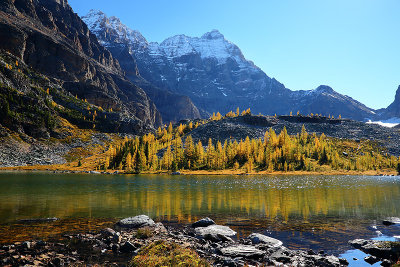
50 38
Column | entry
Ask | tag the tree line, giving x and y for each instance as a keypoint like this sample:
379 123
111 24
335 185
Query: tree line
174 149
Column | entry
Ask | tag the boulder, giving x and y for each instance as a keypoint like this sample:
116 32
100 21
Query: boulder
259 238
107 232
203 223
136 222
391 221
127 247
371 259
244 251
215 232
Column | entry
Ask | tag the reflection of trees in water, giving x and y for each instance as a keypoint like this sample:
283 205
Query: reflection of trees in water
186 199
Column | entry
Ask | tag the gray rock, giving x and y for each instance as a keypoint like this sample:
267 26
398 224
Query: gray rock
259 238
371 259
176 173
127 247
215 232
379 249
108 232
242 251
280 256
136 222
203 223
391 221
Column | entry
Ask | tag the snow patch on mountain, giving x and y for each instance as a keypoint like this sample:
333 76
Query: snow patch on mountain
392 122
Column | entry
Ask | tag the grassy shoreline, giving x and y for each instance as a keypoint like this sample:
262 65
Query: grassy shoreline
70 168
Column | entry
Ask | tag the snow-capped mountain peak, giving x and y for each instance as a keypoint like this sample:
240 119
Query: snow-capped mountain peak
214 34
99 23
213 72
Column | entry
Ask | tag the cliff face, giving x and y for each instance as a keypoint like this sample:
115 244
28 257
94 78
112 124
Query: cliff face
393 110
53 40
117 38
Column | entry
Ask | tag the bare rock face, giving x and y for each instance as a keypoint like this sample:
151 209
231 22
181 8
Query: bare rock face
393 110
120 41
50 38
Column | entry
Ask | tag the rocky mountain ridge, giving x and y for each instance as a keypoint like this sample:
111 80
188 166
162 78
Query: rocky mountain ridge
51 39
118 39
214 73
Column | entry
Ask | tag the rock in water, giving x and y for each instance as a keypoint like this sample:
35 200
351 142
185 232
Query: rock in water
203 223
136 222
371 259
215 232
391 221
259 238
242 251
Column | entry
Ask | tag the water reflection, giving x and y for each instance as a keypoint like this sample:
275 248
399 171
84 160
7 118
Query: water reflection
301 206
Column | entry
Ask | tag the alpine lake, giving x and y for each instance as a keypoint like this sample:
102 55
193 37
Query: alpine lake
317 212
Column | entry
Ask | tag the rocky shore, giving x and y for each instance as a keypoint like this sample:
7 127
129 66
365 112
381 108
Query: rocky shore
217 244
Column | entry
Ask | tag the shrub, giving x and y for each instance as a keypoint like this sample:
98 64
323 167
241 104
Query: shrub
162 253
144 233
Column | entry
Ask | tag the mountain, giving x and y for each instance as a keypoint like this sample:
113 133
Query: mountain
49 39
393 110
119 40
214 73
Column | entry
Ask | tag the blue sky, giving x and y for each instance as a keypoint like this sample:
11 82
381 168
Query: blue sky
351 45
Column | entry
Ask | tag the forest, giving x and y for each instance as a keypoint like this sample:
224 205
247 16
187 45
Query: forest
173 149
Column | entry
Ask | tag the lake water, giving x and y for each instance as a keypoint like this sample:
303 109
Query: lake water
318 212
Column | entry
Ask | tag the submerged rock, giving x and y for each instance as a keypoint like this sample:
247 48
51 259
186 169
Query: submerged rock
136 222
203 223
38 220
259 238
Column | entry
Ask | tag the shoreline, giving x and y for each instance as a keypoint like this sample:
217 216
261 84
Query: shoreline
59 169
141 240
214 245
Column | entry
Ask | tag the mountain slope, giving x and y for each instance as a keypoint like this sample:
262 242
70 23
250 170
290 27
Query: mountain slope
216 76
393 110
118 39
51 39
